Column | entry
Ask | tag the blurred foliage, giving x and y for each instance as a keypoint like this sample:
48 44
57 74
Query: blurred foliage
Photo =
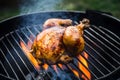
6 13
112 6
8 8
11 8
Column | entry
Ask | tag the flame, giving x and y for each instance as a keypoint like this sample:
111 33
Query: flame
61 66
45 66
29 55
74 71
82 68
55 68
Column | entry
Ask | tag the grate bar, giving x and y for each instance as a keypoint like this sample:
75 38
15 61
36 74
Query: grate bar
77 69
87 68
18 56
98 60
37 30
20 47
110 33
92 63
26 35
47 72
59 67
13 57
105 39
31 42
65 72
8 78
5 69
68 67
9 64
104 45
99 53
30 32
106 34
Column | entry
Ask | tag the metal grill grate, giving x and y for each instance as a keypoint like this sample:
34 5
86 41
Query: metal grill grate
102 47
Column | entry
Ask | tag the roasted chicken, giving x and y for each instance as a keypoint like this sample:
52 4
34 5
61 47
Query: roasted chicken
59 41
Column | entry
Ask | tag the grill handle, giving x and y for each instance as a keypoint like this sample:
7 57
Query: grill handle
97 12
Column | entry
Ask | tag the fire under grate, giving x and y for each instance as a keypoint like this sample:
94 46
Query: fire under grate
99 58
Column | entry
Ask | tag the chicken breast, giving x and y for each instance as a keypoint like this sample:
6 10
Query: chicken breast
57 43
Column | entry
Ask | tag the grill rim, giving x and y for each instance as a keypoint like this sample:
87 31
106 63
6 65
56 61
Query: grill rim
56 11
111 75
89 13
53 11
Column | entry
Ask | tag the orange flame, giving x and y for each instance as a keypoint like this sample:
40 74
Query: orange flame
55 68
61 66
29 55
74 71
82 68
45 66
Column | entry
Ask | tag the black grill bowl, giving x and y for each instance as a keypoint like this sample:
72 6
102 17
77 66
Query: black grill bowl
102 43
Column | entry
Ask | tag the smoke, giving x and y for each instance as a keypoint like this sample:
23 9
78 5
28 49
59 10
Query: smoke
34 6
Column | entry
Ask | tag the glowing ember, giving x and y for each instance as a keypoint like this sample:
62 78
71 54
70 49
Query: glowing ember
82 68
45 66
74 71
61 66
55 68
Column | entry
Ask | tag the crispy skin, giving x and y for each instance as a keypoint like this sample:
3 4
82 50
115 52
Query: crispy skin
57 22
73 40
49 45
59 44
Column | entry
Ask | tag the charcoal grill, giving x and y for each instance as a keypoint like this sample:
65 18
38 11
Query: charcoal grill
102 45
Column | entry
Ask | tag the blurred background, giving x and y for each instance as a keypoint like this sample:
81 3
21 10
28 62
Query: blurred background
10 8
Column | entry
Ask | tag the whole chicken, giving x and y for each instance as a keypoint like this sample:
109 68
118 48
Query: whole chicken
59 41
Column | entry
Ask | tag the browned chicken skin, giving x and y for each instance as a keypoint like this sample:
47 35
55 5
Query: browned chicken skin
57 43
57 22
